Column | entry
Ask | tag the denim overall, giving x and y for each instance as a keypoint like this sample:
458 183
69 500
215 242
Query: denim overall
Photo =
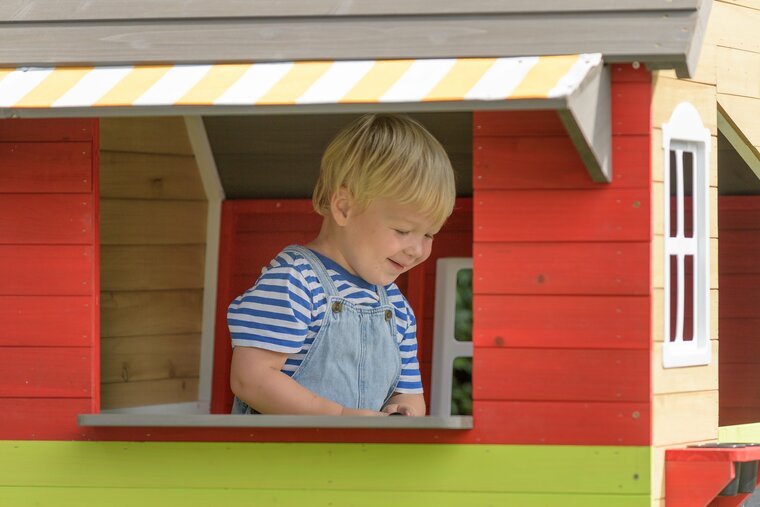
355 359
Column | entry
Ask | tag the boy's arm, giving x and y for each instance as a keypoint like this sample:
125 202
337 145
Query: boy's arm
255 378
407 404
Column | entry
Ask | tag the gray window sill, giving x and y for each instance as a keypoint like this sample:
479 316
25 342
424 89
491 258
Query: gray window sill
274 421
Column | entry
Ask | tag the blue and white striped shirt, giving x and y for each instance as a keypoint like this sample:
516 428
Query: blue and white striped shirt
284 310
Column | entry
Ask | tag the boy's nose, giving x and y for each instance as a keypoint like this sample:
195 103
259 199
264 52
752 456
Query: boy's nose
415 249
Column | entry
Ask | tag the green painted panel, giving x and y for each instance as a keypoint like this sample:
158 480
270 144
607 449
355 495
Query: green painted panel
370 467
127 497
748 433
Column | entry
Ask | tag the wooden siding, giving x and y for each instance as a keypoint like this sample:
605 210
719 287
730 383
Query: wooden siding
152 245
561 291
48 276
685 400
79 32
125 474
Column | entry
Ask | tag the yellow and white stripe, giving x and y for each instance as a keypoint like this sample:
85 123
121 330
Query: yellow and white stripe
317 82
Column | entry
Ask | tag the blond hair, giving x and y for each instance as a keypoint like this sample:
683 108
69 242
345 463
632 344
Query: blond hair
387 156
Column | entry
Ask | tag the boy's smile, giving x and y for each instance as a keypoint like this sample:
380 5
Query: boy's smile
380 242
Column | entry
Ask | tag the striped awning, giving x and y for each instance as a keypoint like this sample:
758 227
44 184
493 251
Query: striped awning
294 83
577 86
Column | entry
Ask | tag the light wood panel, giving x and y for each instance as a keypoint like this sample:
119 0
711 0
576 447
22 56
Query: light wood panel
151 392
683 380
739 72
144 222
738 25
150 312
668 93
743 112
149 176
684 417
151 267
145 135
140 358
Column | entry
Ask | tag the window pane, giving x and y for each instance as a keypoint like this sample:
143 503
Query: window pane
463 317
688 194
688 298
673 182
673 297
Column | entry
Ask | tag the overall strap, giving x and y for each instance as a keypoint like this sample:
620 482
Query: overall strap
319 269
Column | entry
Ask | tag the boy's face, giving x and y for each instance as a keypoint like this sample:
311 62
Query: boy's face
385 240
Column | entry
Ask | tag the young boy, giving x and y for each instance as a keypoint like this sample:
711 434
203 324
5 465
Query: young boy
325 330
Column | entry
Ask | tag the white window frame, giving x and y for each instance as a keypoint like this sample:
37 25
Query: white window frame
685 132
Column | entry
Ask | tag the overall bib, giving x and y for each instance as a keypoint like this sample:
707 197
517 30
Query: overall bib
355 359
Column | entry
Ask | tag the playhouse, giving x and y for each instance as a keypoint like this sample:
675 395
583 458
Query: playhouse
608 165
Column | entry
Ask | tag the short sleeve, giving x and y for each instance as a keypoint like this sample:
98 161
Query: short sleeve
410 381
274 314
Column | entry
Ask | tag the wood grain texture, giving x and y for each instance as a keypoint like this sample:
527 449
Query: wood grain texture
140 358
49 130
43 418
143 313
62 167
149 222
675 417
48 219
62 321
561 321
126 175
159 135
149 392
45 372
152 267
46 270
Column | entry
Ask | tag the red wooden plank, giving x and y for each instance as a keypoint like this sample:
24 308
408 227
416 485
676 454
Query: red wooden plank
739 294
46 219
43 418
730 416
562 268
516 123
510 374
631 161
738 212
631 108
563 215
739 251
739 339
62 321
53 129
561 321
53 372
280 222
46 167
626 72
563 423
46 270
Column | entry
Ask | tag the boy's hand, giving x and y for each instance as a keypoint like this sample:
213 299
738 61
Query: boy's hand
398 408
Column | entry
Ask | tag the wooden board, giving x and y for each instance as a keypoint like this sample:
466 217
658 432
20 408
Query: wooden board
46 219
46 167
544 374
684 417
517 123
743 22
43 418
147 222
150 312
149 392
49 130
627 101
46 270
739 72
562 268
561 321
140 358
668 93
682 380
149 176
574 215
46 321
40 372
743 113
156 134
151 267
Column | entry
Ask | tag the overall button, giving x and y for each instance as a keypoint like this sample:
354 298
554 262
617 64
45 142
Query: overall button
337 306
388 315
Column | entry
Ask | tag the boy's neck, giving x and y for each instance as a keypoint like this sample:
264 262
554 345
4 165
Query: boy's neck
326 244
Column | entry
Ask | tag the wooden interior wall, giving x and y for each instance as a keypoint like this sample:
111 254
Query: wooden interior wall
562 278
153 234
685 400
739 268
254 231
48 276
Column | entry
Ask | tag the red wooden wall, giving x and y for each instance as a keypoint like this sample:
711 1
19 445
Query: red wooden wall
739 311
49 317
562 278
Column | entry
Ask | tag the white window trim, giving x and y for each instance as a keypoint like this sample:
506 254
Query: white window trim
685 132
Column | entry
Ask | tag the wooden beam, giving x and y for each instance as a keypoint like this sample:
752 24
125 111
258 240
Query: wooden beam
748 153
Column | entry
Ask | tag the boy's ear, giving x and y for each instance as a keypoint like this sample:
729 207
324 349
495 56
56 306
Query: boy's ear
340 205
